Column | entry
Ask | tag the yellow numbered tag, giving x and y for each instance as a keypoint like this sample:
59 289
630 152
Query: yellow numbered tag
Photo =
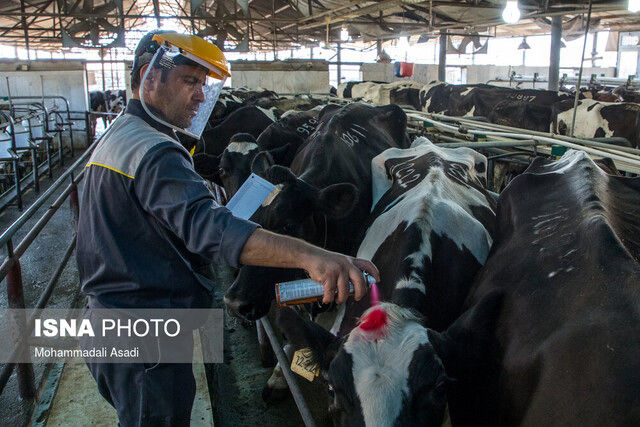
299 364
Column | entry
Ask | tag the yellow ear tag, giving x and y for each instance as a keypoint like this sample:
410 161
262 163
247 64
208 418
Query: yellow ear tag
300 364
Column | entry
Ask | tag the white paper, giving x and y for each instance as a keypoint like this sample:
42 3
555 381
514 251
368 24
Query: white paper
250 196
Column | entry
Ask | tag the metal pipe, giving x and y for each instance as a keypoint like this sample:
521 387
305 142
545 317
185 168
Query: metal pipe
442 59
288 375
487 144
35 230
493 126
7 369
17 224
15 297
554 59
584 49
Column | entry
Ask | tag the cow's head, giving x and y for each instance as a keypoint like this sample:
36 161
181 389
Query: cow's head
391 370
231 168
386 372
294 208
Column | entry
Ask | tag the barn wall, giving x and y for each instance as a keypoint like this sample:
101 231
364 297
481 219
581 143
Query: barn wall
422 73
304 76
425 73
484 73
63 78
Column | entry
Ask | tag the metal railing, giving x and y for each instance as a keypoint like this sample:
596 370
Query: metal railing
11 269
28 104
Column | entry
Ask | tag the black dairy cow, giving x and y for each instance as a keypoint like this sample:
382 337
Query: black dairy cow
226 104
279 142
390 370
524 108
97 103
252 120
595 119
325 195
116 100
405 96
627 95
429 233
566 348
345 90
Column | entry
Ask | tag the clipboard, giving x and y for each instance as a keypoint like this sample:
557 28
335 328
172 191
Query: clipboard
250 196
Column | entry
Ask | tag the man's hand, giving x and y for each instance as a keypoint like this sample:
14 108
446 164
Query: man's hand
332 269
335 271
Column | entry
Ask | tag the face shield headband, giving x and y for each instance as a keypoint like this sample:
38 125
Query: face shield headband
166 59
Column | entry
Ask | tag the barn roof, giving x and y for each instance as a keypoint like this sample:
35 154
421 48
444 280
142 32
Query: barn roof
243 25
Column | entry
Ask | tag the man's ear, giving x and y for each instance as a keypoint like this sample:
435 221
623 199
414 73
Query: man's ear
261 162
303 333
337 200
207 166
465 344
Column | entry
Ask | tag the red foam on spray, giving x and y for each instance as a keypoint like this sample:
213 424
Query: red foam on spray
375 295
375 320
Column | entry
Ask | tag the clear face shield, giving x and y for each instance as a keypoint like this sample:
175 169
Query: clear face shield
187 89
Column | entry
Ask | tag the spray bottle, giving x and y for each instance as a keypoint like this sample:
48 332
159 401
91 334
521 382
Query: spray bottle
306 290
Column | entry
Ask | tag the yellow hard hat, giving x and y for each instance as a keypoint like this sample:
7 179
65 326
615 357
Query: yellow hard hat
199 50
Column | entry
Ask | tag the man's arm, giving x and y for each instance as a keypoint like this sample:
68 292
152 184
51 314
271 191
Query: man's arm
333 270
172 192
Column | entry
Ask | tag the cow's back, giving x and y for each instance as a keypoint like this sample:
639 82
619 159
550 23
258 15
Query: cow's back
566 256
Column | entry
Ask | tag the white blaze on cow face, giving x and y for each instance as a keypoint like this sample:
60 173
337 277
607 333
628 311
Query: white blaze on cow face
271 197
242 147
433 200
588 119
381 367
269 113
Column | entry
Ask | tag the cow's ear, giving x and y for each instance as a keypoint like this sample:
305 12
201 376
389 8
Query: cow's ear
337 200
279 154
303 333
261 163
280 175
207 166
465 344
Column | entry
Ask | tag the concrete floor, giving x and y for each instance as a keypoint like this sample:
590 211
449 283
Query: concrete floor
38 265
78 403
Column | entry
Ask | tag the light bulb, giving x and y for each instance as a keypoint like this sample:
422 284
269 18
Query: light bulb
634 6
511 13
344 34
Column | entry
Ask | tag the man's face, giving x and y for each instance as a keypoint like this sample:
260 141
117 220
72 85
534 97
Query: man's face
179 96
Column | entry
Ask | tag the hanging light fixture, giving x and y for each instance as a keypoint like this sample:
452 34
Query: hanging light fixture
511 12
344 34
524 44
633 6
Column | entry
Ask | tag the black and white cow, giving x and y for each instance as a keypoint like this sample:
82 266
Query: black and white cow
116 100
325 195
524 108
567 259
429 233
279 142
595 119
391 369
322 199
252 120
355 89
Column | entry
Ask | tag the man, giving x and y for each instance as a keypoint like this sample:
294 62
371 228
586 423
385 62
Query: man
149 229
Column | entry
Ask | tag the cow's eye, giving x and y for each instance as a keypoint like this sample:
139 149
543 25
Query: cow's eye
221 173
